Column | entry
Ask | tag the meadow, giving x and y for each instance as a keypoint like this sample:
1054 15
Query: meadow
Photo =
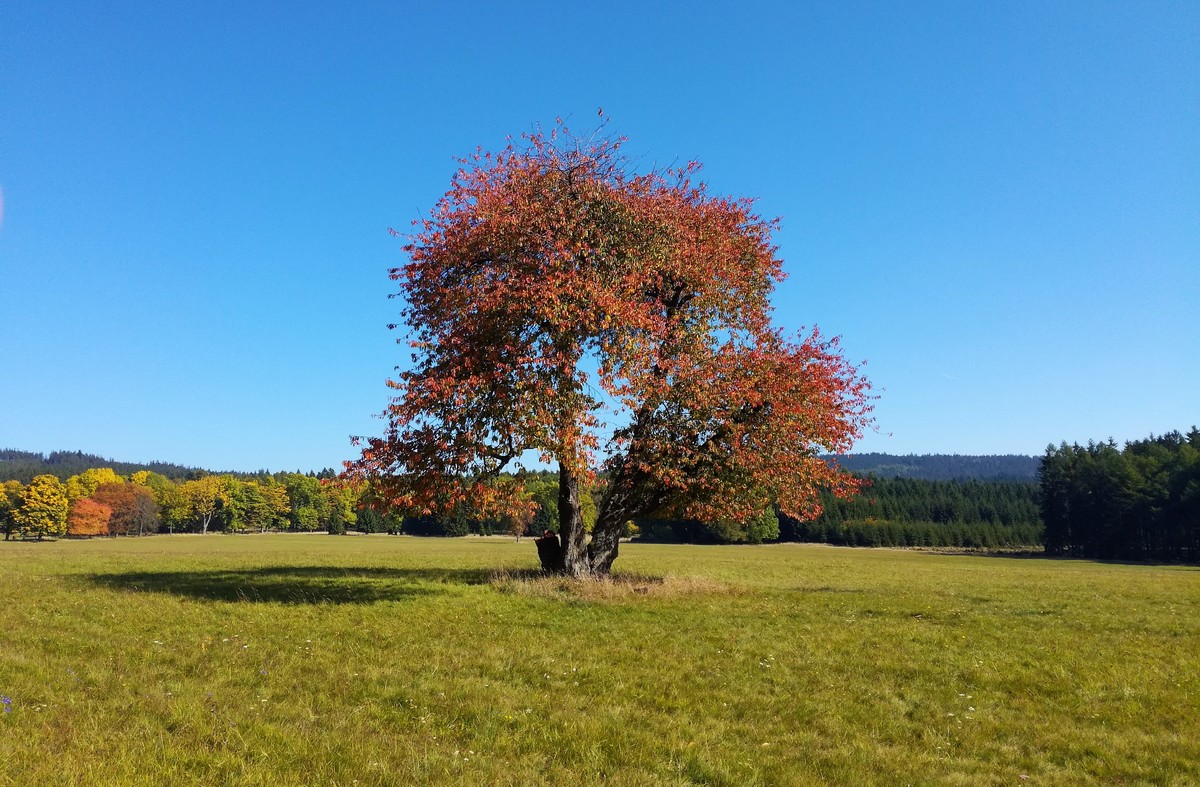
377 660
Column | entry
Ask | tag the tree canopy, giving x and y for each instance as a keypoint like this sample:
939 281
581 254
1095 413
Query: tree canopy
562 306
43 508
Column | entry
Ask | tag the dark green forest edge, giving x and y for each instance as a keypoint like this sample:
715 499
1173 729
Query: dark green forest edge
1095 501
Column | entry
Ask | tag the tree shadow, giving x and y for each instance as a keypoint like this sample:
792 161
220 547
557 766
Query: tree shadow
1031 555
295 584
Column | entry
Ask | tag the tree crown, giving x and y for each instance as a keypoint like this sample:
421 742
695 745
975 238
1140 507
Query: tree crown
560 304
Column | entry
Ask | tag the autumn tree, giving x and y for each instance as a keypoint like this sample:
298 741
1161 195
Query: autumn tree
203 498
43 509
134 510
562 306
10 501
341 499
85 484
87 517
173 509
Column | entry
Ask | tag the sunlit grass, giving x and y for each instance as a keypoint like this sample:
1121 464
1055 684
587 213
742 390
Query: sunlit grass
381 660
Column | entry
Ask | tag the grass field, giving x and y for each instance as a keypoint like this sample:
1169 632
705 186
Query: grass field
286 659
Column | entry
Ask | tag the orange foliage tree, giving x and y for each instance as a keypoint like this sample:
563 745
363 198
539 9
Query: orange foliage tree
134 511
88 518
563 306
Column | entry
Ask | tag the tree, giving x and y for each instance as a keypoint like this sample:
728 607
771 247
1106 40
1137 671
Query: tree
172 508
85 484
134 510
10 501
560 305
204 497
309 506
258 506
341 500
87 517
43 509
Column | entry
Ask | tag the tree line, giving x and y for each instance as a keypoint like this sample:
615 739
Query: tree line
1139 503
895 512
102 502
1099 501
99 501
891 512
943 467
24 465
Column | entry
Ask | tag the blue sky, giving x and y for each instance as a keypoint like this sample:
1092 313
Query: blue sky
997 205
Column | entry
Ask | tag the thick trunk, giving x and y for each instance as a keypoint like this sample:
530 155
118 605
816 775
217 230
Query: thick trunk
571 533
606 538
566 553
630 494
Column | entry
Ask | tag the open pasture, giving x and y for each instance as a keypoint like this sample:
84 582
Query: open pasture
285 659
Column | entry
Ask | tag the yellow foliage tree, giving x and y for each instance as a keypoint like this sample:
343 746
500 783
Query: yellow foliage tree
204 497
85 484
43 509
10 501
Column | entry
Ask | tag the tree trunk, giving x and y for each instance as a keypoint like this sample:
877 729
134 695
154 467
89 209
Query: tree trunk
571 533
630 494
606 538
566 553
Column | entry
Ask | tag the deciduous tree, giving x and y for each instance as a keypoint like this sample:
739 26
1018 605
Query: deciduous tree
310 507
134 510
561 305
10 501
259 506
85 484
204 497
43 509
87 517
172 508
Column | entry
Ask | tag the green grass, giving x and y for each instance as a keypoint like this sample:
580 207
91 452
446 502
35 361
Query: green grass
376 660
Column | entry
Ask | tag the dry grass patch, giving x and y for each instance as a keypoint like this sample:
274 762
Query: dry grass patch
611 588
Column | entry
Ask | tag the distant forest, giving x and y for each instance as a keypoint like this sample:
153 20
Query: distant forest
1139 502
894 512
24 465
944 467
960 504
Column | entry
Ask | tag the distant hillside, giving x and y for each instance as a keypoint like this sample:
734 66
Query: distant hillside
24 465
944 467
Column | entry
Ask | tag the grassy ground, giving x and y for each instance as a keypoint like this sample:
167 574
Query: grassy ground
379 660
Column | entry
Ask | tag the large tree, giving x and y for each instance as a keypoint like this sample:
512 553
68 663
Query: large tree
203 497
10 501
561 306
86 483
86 517
134 511
43 509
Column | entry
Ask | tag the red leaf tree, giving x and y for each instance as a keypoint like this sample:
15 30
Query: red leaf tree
562 306
134 511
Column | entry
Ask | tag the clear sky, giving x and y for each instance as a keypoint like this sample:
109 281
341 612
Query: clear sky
997 205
